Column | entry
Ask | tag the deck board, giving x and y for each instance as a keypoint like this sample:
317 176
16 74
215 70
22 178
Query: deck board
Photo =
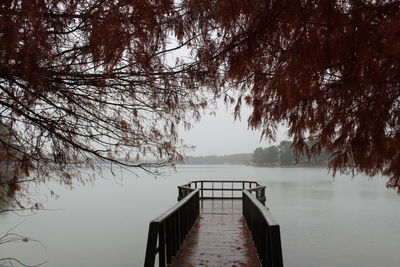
220 237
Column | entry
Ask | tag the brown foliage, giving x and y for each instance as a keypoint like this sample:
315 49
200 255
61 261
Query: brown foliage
82 79
88 79
329 69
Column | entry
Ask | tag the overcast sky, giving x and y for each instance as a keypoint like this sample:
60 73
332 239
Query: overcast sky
221 135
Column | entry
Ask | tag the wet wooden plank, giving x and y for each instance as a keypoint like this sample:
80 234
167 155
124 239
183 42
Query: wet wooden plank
219 238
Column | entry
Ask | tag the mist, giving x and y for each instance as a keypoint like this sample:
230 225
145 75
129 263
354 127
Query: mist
221 134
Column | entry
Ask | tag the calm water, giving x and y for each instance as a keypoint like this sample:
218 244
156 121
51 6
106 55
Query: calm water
325 222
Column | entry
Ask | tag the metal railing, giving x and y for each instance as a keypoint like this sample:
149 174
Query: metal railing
222 189
170 230
264 230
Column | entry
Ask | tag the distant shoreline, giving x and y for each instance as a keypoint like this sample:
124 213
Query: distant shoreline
270 165
259 158
294 165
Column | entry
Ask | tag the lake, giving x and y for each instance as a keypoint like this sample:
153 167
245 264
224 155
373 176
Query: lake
325 221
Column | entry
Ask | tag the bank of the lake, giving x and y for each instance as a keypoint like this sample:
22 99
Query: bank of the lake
324 221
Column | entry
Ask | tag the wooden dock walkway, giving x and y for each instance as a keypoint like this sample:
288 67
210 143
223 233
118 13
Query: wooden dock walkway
216 223
220 237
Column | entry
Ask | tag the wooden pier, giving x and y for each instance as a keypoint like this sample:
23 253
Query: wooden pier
220 237
216 223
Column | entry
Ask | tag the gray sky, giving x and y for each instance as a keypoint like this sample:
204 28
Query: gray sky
221 135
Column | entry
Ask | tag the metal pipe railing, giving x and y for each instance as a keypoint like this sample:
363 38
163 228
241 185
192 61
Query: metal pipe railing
224 185
170 230
264 230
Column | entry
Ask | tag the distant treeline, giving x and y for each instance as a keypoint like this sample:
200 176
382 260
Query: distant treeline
280 155
236 159
283 155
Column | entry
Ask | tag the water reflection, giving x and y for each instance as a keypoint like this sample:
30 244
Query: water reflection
324 222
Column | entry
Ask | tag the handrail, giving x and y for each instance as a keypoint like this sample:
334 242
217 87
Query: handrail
251 186
183 191
260 193
264 230
170 230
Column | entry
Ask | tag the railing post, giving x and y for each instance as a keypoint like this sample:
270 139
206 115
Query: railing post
244 204
276 253
179 193
263 196
202 195
151 249
161 245
175 235
180 225
169 233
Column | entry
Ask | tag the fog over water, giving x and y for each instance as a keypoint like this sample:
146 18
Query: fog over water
324 221
222 135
